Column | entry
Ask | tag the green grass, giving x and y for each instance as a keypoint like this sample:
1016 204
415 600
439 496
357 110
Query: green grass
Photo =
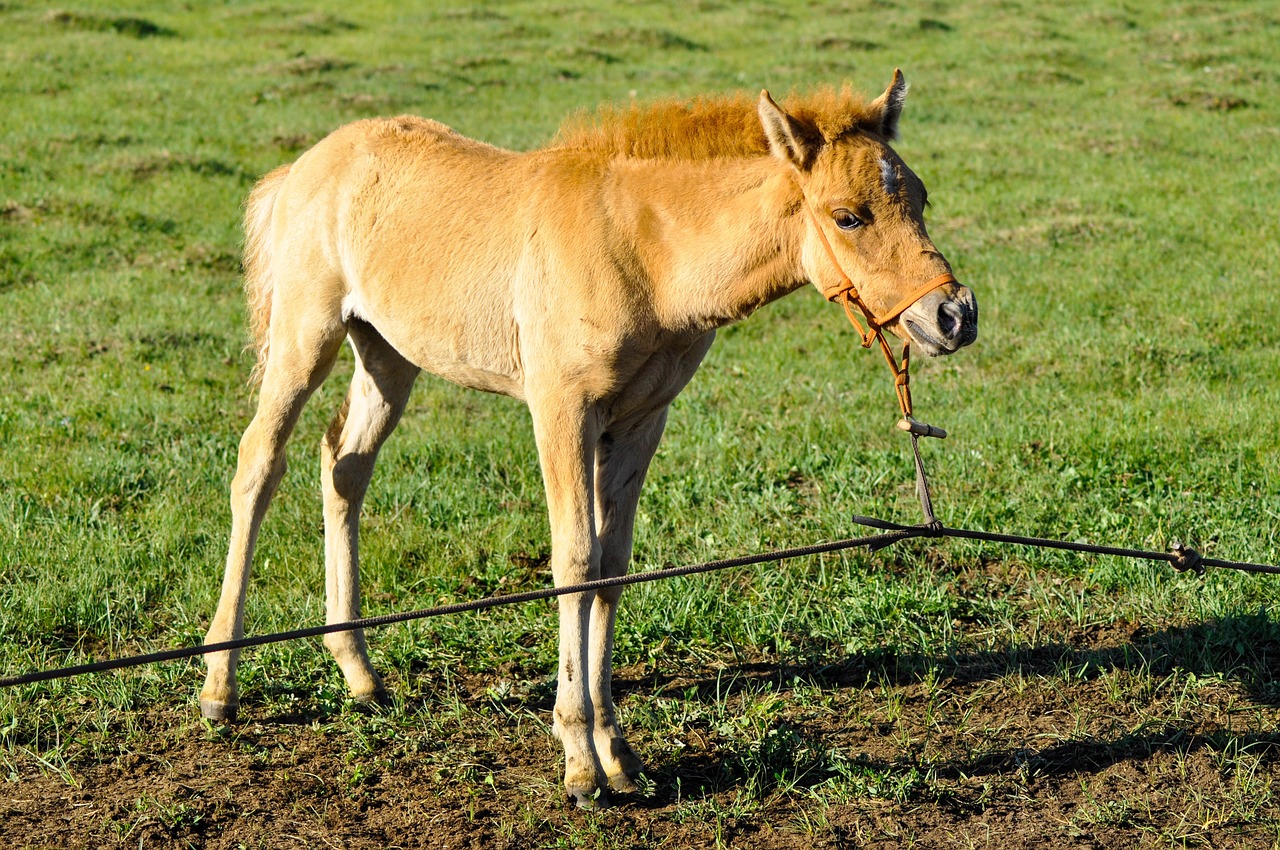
1104 176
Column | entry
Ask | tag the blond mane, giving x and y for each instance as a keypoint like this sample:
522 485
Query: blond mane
708 127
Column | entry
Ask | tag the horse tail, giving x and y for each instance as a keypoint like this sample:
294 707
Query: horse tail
258 282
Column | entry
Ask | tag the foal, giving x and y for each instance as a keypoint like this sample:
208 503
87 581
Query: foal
586 278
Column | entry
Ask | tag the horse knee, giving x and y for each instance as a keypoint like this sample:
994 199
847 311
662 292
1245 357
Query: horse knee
348 477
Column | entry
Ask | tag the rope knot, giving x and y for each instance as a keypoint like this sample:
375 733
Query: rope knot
1186 559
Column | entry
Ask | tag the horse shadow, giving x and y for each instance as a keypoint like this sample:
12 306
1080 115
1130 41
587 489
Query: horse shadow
1242 649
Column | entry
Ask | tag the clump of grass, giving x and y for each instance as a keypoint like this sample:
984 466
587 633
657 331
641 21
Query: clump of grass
652 38
122 24
312 24
301 66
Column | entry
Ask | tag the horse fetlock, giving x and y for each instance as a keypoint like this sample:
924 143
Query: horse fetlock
625 783
620 762
375 700
352 656
585 781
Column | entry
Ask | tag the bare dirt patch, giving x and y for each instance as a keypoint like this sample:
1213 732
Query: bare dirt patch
1107 738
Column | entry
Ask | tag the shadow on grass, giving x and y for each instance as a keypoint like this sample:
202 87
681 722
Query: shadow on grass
1244 648
793 752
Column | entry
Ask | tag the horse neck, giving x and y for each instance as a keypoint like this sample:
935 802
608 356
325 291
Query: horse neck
719 239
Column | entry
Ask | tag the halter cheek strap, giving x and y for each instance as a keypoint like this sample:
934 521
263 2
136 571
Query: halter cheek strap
845 293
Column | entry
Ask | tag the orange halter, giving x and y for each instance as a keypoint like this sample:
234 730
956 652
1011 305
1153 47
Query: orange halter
845 293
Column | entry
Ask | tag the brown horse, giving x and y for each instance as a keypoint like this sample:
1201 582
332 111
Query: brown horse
586 278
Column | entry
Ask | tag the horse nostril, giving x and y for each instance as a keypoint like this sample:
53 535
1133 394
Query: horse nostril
950 319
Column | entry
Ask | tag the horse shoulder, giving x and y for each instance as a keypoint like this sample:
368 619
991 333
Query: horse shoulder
595 262
579 280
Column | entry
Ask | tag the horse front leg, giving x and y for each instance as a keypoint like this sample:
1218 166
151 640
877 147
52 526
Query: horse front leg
622 460
566 433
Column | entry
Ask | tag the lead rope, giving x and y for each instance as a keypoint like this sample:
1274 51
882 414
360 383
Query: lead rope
922 488
1183 558
846 294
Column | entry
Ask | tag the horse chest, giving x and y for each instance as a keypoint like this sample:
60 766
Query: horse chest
651 382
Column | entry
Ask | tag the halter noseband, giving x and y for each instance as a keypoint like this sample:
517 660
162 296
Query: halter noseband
845 293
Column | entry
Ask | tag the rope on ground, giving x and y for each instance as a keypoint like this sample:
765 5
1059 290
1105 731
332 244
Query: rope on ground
1181 557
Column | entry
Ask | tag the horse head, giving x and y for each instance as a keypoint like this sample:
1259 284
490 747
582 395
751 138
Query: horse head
865 235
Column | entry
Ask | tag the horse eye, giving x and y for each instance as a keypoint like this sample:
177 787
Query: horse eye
846 220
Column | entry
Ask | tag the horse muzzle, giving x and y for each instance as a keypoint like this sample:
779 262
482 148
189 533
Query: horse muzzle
942 322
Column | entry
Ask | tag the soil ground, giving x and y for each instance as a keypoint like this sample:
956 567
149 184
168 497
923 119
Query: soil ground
997 751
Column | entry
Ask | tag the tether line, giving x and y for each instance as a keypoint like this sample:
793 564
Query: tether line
1181 558
874 541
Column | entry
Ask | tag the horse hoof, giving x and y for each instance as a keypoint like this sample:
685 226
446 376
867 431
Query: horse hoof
375 701
592 799
625 783
219 711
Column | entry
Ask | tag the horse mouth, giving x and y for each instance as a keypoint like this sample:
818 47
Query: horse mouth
925 341
936 343
944 326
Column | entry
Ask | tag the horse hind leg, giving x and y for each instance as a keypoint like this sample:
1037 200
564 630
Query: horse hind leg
379 392
303 349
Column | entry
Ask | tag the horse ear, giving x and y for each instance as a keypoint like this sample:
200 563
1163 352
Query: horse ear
789 140
889 105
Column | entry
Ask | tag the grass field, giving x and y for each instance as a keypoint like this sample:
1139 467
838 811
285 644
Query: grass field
1106 176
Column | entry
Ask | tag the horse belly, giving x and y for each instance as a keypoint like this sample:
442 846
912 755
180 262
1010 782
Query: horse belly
474 377
472 348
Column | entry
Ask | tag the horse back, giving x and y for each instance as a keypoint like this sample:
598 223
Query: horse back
478 264
406 224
